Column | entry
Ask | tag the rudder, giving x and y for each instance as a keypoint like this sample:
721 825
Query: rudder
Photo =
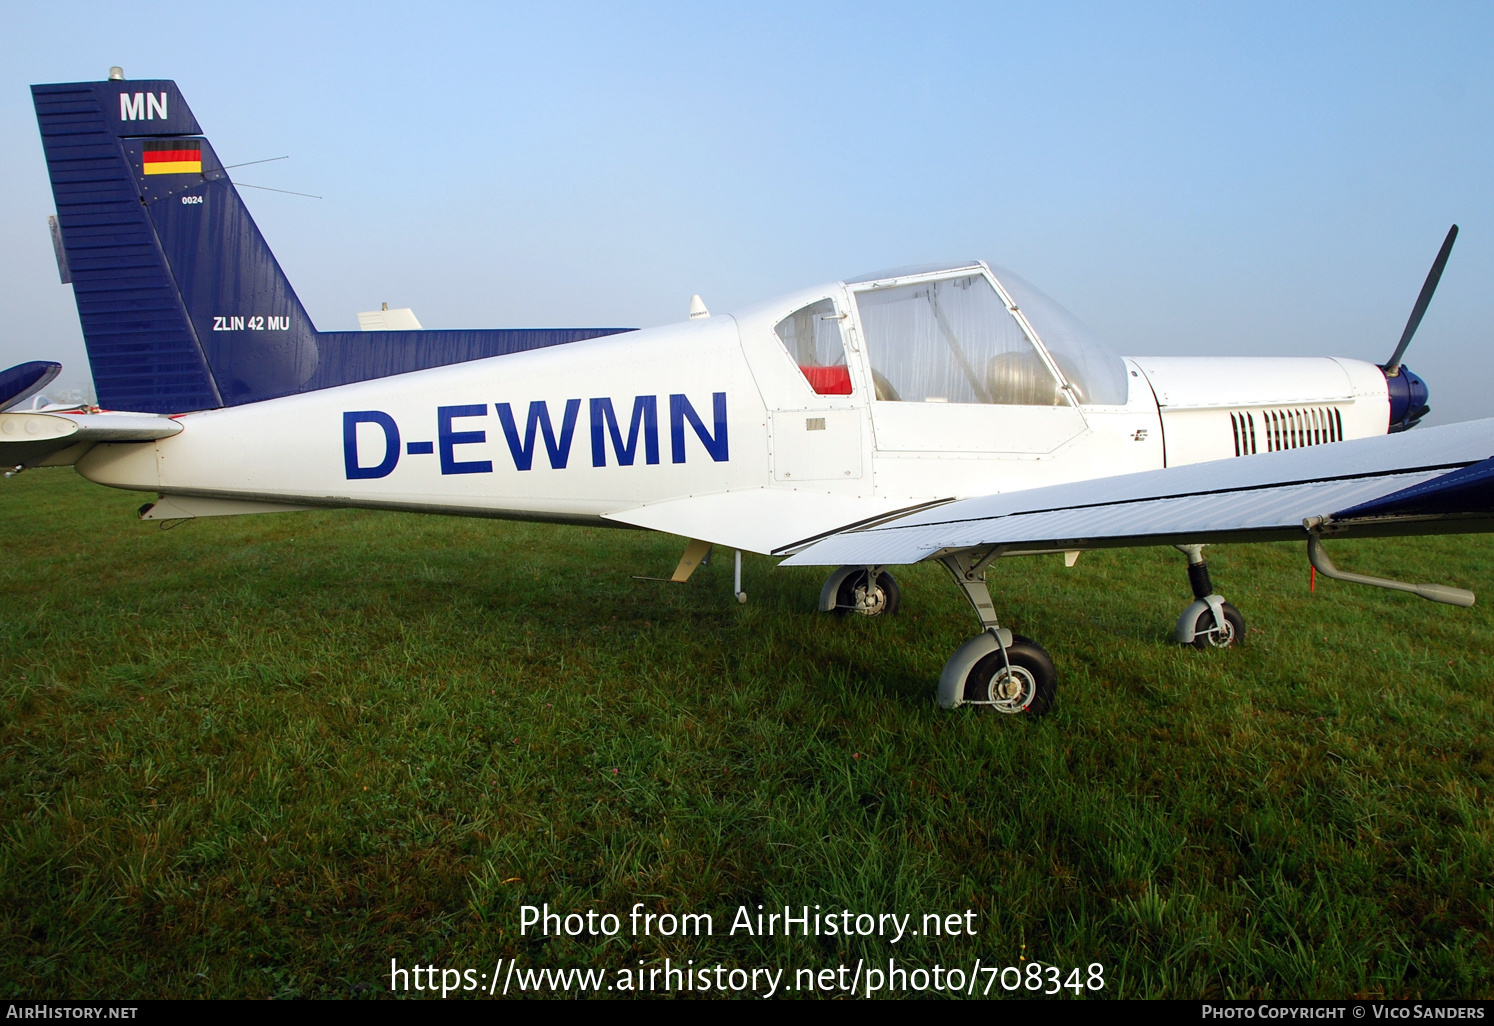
182 304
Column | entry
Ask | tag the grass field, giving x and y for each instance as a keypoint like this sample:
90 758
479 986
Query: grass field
262 756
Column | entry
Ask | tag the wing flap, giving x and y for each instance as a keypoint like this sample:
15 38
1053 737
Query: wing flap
190 507
759 519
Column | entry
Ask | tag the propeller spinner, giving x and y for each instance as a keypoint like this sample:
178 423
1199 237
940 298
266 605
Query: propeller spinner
1408 393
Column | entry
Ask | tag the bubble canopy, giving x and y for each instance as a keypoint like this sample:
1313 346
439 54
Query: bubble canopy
1097 374
1095 370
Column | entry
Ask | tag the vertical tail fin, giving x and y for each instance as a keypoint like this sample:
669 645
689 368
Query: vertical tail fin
183 305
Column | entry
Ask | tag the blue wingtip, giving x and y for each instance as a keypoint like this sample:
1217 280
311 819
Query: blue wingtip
1465 492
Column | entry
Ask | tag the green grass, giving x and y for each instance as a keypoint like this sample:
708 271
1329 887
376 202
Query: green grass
262 756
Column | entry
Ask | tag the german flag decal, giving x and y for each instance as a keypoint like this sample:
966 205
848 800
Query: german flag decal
173 157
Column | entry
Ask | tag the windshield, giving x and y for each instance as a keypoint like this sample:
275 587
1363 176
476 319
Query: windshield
951 341
1093 368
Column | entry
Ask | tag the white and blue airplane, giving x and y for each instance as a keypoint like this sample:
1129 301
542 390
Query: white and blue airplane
947 412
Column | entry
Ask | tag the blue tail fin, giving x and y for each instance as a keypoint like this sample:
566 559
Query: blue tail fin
183 306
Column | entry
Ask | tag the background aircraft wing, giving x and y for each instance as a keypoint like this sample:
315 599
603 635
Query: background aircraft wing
1431 481
58 439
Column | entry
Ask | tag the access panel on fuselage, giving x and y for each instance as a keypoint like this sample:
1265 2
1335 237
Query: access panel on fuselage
816 445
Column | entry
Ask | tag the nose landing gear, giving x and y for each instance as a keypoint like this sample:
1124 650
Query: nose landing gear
1209 622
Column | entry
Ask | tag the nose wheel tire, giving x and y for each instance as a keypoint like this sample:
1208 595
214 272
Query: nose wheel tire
1208 634
858 595
1022 683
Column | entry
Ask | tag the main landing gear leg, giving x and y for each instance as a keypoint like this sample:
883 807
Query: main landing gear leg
1210 622
996 669
863 590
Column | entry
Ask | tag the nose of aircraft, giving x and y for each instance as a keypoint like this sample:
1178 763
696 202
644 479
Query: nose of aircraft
1408 399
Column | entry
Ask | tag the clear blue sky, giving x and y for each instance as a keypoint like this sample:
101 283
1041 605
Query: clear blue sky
1189 178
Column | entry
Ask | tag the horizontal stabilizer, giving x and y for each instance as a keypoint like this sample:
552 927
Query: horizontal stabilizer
58 439
401 319
24 380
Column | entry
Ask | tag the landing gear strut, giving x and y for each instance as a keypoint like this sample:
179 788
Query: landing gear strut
996 669
1210 622
863 590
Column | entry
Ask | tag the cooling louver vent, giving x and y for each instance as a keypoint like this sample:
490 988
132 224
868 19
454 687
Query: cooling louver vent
1274 430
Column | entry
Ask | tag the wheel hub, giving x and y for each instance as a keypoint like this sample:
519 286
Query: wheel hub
1220 635
870 600
1012 689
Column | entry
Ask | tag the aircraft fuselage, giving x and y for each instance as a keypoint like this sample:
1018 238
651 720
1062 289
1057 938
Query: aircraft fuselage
708 428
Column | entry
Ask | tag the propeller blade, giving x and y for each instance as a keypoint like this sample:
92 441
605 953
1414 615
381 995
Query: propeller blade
1420 309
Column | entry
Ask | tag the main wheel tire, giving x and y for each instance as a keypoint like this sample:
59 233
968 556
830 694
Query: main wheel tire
1231 634
882 599
1027 690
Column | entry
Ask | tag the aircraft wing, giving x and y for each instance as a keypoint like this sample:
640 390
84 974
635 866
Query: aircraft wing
1430 481
58 439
